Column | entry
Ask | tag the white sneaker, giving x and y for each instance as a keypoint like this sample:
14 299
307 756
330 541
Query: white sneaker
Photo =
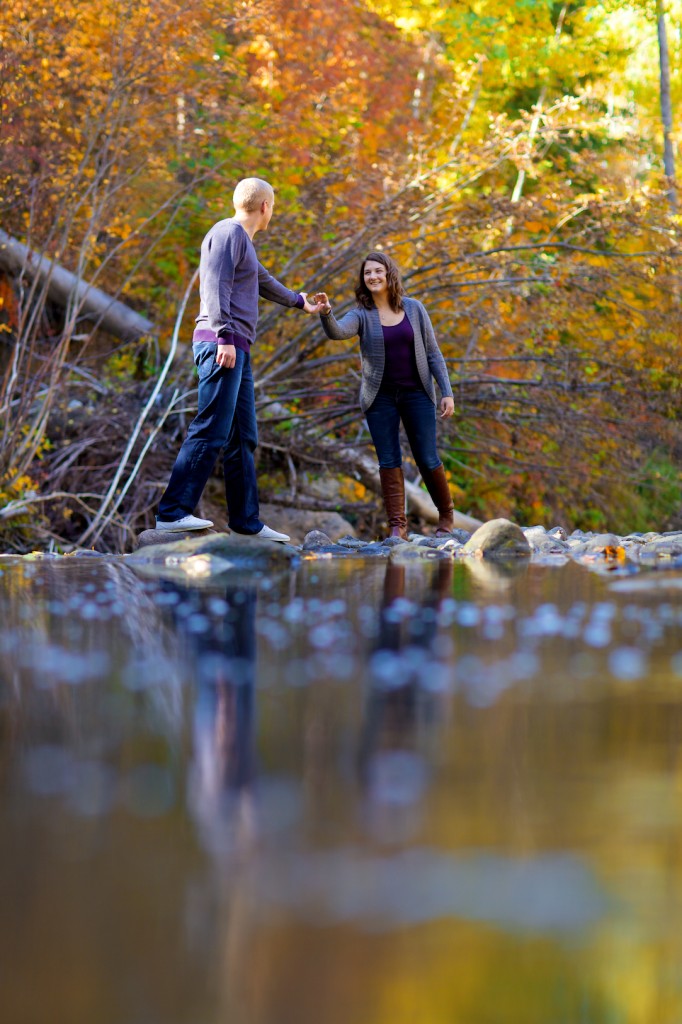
265 533
186 523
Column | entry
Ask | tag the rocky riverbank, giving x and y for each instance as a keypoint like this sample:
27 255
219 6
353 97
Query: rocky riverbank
208 553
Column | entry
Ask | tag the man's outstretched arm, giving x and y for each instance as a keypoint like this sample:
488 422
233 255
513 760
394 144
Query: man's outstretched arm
274 291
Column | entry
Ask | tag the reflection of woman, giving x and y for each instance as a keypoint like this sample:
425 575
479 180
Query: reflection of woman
400 358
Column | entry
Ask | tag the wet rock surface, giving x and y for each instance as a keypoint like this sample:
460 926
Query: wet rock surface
208 554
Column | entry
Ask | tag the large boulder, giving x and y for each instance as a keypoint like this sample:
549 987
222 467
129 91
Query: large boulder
151 537
208 555
497 538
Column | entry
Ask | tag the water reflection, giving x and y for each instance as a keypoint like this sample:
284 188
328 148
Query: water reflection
406 685
353 792
495 576
221 773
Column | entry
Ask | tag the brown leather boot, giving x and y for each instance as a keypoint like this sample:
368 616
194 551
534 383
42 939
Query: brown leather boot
393 490
437 486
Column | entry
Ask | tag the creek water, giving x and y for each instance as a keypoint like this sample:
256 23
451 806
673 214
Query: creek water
349 792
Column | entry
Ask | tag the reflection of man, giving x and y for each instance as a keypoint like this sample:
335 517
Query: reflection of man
401 696
224 761
222 770
231 279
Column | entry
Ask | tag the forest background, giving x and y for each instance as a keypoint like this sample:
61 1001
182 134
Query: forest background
508 153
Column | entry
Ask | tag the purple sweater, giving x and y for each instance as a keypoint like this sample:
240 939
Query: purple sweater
230 281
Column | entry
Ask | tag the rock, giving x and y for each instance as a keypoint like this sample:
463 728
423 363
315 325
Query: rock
209 555
546 542
602 542
455 537
550 546
498 537
317 544
534 534
148 537
351 542
460 535
666 550
402 553
316 539
375 548
438 543
300 522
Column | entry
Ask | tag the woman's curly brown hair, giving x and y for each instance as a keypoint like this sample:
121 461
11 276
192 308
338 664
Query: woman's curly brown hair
394 284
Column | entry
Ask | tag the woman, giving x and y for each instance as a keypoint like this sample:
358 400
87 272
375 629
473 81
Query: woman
400 358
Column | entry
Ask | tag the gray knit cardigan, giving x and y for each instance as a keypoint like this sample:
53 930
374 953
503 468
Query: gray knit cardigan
366 324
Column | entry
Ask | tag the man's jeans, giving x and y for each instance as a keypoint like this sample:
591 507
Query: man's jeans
418 413
226 419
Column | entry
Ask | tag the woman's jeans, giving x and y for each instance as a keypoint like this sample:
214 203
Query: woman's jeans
418 414
226 419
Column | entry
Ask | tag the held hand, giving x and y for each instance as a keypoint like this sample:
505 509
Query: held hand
308 307
226 356
447 407
318 304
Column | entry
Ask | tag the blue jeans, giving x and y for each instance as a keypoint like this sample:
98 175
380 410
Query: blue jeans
418 414
225 419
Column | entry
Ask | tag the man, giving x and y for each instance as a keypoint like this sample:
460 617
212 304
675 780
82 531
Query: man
231 279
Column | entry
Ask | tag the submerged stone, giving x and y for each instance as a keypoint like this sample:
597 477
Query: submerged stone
418 553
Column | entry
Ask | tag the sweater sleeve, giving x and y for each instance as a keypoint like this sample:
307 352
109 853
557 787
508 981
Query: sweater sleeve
222 255
270 288
434 356
347 327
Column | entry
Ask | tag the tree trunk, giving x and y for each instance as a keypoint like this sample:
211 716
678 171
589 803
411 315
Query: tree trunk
114 316
666 104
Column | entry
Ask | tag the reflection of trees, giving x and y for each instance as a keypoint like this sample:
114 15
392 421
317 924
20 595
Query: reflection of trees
66 624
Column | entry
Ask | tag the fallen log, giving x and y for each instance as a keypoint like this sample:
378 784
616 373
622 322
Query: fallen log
63 286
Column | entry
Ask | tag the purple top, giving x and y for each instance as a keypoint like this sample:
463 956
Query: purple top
230 281
400 367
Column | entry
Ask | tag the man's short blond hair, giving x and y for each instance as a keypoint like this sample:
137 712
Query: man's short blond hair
250 193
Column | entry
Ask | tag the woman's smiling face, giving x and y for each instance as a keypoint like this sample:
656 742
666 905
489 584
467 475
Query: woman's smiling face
374 274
